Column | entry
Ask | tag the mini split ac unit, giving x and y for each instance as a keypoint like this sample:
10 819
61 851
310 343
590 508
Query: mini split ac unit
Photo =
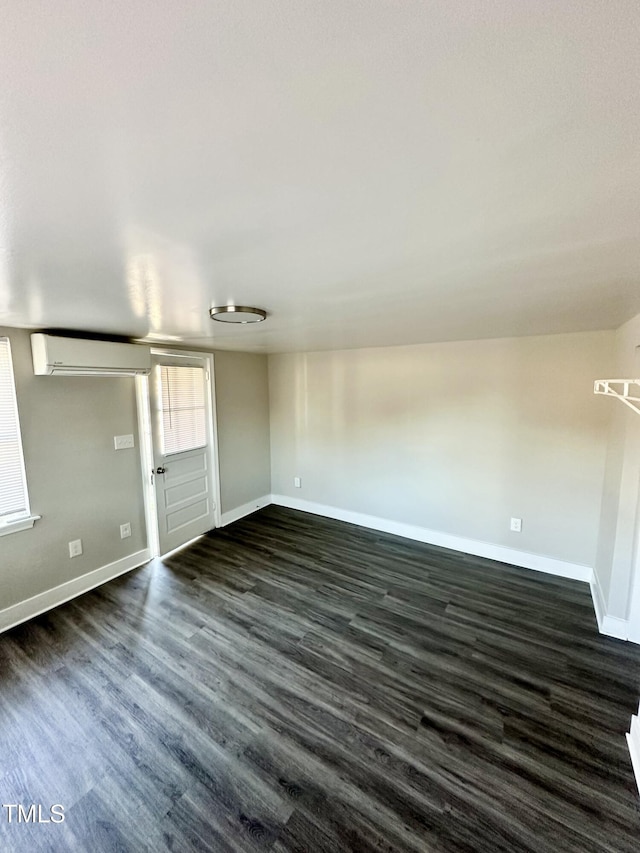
58 356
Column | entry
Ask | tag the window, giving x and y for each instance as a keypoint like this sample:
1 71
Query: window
14 500
183 416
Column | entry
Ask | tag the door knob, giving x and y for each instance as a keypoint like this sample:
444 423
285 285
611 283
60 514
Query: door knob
160 470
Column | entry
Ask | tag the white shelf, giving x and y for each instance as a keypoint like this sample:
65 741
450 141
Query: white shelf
626 390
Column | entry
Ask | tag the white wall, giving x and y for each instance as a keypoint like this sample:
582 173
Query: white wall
78 483
454 437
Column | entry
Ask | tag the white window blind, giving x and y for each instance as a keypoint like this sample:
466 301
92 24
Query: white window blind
182 399
14 501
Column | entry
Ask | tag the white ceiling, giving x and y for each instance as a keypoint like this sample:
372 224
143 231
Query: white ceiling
371 172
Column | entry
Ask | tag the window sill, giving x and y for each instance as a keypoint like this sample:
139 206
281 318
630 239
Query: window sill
18 525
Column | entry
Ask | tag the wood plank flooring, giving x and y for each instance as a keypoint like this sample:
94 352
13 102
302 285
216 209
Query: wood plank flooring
292 683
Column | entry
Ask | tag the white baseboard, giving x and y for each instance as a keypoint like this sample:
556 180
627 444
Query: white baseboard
611 626
633 739
23 610
246 509
538 562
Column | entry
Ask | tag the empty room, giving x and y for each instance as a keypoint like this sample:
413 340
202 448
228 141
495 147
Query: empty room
320 426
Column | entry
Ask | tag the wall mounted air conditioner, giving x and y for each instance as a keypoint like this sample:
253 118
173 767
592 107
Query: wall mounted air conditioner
58 356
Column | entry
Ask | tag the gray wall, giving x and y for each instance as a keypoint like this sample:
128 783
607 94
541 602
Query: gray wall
78 483
84 489
620 507
242 403
454 437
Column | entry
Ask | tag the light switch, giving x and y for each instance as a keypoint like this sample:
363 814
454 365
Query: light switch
123 442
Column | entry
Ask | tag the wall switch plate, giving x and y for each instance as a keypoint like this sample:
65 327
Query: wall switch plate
516 525
123 442
75 548
125 530
297 482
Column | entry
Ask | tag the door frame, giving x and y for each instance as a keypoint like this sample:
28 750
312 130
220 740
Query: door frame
633 614
634 609
143 401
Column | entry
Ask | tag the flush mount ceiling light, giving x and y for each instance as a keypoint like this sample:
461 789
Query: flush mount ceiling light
237 314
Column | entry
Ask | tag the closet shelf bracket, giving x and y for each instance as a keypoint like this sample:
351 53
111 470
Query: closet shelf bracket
626 390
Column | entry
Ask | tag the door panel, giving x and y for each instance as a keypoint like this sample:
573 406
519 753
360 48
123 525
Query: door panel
181 418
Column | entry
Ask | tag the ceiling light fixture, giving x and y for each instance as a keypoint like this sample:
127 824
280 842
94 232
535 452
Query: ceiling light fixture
237 314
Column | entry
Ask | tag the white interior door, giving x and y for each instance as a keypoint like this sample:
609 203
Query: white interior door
182 430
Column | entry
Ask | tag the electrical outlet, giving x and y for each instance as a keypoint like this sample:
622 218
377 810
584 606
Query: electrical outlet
125 530
516 525
297 482
123 442
75 548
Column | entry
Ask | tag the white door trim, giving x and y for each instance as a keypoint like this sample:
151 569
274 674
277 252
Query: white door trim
634 605
146 442
146 462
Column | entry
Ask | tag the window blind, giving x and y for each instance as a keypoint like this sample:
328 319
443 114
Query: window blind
183 408
13 487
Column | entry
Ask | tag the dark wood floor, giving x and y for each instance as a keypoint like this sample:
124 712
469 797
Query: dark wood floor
292 683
